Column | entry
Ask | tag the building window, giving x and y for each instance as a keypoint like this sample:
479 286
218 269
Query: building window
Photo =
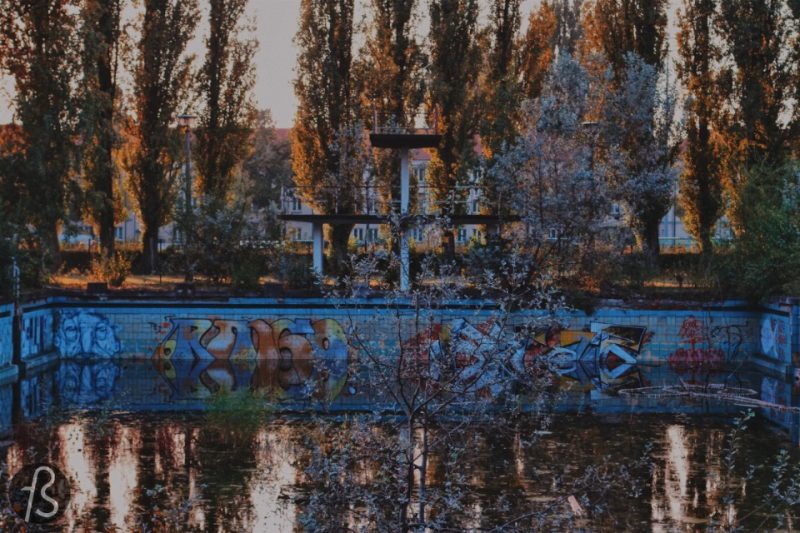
296 234
297 205
358 233
552 234
474 207
616 210
373 235
462 234
118 233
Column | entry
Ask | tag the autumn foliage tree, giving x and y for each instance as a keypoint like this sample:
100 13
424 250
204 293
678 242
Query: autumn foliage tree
38 49
537 48
226 81
101 34
161 78
618 27
454 63
326 139
392 74
501 82
756 83
700 183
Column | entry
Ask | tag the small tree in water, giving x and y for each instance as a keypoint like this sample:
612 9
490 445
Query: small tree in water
437 384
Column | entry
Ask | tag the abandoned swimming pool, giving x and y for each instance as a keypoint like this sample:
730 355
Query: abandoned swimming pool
124 397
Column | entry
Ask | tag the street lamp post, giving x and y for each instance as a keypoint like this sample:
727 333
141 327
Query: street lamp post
187 121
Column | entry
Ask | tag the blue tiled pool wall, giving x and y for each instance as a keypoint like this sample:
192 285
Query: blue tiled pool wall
6 341
88 337
137 329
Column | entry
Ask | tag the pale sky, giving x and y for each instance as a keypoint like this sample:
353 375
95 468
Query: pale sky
276 24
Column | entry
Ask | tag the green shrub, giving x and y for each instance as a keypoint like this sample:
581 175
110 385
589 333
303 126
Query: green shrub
766 251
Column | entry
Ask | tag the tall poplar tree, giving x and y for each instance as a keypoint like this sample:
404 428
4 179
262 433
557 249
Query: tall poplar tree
757 86
226 81
700 182
101 34
38 45
617 27
161 78
326 138
538 48
392 65
501 83
454 64
568 25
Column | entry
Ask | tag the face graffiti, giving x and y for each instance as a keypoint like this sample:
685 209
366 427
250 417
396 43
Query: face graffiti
286 358
86 334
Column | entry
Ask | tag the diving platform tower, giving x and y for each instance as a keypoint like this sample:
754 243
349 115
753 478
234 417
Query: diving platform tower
404 141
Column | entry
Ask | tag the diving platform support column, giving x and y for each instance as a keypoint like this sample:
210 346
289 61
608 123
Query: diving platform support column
404 201
316 237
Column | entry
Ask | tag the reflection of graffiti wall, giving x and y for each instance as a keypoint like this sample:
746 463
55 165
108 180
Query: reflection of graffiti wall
286 358
780 393
84 383
86 334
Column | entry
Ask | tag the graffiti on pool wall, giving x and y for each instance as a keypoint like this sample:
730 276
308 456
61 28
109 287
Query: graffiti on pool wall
603 358
285 358
773 337
711 348
86 334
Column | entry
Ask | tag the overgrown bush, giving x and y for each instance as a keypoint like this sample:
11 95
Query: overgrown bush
19 243
294 269
112 270
223 244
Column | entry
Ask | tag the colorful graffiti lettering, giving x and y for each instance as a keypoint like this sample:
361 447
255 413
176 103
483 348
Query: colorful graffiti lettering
710 348
773 338
86 334
286 358
604 358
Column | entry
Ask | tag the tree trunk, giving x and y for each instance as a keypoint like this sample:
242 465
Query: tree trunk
651 246
105 164
706 246
52 246
106 229
150 248
340 238
449 244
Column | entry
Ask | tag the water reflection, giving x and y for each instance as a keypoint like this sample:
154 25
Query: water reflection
178 471
123 475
